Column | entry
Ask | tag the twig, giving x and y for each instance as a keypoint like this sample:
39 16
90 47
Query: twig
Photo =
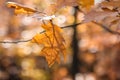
71 25
101 25
15 42
107 29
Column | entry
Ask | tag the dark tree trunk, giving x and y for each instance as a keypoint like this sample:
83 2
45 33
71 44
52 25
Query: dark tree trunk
75 62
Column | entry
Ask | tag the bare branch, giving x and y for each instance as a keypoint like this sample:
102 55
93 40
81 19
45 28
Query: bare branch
101 25
107 29
15 42
71 25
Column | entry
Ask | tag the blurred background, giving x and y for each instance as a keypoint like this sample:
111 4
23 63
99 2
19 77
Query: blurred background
98 55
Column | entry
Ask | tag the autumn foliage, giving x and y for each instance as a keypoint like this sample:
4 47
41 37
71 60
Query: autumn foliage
53 41
20 9
93 27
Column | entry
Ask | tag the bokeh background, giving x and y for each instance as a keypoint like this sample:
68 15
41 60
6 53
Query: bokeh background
99 50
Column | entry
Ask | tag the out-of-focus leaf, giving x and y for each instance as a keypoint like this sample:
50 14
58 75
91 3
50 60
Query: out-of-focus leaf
104 9
97 16
106 13
111 4
62 3
20 9
87 4
53 8
53 43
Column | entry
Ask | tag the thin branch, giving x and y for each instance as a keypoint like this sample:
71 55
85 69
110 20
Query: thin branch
71 25
107 29
15 42
101 25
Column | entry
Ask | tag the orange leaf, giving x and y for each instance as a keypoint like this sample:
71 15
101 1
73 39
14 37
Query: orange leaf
20 9
53 41
51 55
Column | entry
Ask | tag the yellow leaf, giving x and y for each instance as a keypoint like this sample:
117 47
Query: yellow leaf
53 41
20 9
51 55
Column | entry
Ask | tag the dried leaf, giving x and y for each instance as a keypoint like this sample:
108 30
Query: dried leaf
53 43
62 3
97 16
51 55
107 13
53 8
20 9
87 4
111 5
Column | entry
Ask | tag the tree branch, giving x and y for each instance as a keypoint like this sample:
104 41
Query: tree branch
71 25
15 42
107 29
101 25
